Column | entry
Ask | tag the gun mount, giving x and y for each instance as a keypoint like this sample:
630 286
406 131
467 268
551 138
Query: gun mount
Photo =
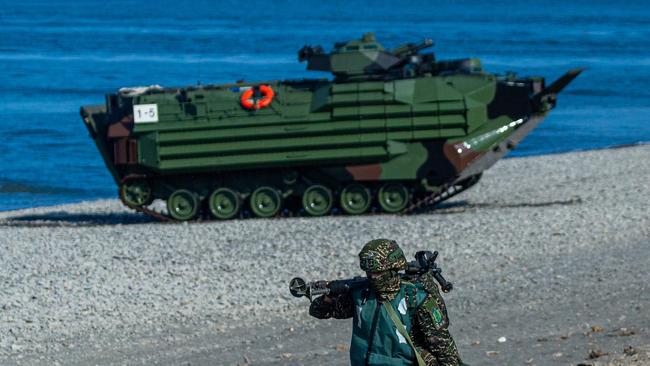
366 58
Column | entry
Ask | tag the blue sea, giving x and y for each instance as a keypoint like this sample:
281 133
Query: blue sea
58 55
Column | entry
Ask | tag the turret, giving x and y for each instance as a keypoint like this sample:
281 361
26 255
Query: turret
366 58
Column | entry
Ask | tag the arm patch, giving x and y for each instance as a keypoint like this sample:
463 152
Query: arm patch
436 315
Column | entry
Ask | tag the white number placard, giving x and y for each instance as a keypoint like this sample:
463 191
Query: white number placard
145 113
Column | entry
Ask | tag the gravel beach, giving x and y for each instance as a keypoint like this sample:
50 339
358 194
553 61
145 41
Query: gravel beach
551 252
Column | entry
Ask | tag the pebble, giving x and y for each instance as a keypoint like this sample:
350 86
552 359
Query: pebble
95 267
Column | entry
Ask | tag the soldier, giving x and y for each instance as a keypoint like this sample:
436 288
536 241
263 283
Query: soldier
393 318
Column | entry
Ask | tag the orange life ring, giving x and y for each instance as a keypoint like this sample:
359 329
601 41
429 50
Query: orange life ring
248 102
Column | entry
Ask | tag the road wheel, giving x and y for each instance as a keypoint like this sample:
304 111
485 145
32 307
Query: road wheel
355 199
224 203
317 200
393 197
183 205
136 192
265 202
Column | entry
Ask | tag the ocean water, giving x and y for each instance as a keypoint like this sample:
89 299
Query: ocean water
58 55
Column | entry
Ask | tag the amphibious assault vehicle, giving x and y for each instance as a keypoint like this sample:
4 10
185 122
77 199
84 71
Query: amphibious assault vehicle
394 130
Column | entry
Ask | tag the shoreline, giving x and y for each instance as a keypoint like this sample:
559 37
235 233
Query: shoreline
507 157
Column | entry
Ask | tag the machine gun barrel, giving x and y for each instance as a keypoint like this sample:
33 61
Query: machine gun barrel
301 288
411 48
424 263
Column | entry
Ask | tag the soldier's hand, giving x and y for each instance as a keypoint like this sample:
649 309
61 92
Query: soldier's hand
327 299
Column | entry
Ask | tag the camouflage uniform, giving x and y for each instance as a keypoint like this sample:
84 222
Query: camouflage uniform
432 334
429 333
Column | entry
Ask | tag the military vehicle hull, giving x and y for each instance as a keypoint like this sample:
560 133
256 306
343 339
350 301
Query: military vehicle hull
319 146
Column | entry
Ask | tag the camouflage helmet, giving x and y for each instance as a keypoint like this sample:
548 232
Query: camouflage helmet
381 255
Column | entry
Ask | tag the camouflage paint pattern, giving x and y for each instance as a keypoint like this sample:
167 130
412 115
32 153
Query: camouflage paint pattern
383 258
388 117
433 333
381 255
339 307
386 284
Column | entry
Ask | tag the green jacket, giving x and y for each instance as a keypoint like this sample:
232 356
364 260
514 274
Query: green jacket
375 339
